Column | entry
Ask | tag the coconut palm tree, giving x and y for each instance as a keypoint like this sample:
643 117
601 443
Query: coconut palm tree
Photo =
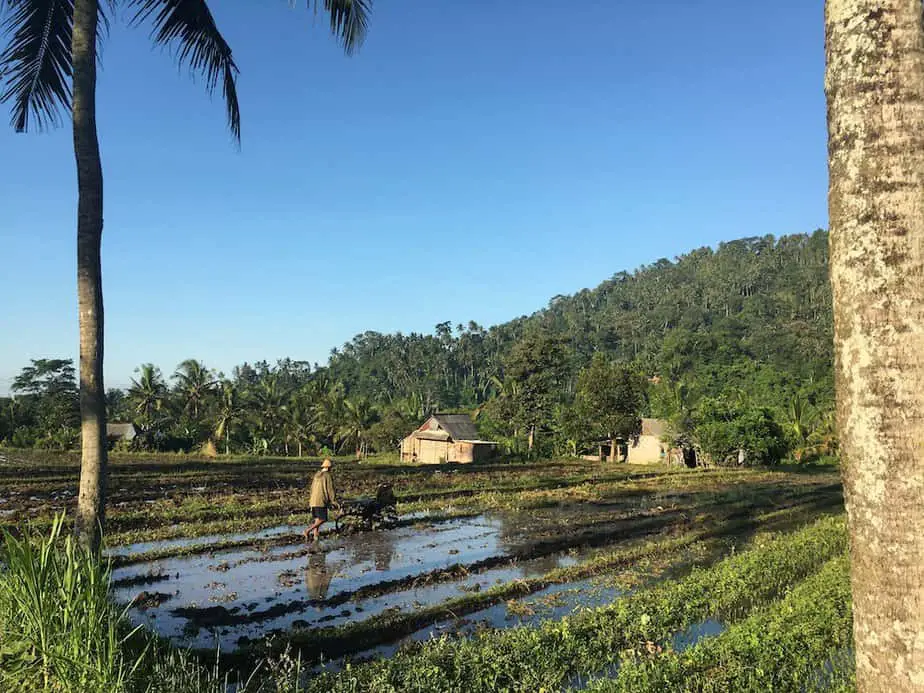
359 416
49 66
148 395
194 383
230 412
874 84
299 420
268 399
329 412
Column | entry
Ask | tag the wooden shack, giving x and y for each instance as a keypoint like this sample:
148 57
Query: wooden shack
446 438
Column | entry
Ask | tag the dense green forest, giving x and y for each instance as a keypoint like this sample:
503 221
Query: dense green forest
733 346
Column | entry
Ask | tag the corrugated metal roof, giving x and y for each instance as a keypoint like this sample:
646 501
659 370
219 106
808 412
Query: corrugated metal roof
458 426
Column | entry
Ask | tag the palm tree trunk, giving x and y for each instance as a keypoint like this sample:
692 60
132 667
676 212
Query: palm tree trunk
92 499
875 92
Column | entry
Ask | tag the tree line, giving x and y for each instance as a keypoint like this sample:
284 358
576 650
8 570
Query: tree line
731 346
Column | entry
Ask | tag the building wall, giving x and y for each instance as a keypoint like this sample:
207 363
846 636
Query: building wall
647 451
415 449
462 452
432 451
471 452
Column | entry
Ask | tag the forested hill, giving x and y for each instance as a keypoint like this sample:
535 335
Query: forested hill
731 345
751 318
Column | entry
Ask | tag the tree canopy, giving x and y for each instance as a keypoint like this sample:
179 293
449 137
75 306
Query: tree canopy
720 343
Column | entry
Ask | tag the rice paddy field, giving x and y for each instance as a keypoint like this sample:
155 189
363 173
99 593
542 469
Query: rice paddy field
544 576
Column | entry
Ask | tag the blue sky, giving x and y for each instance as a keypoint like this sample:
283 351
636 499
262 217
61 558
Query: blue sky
472 161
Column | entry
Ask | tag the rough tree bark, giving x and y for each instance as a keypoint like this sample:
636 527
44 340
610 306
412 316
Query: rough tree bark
875 92
92 499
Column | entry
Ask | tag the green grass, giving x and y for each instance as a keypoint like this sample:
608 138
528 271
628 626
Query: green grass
60 633
797 644
58 630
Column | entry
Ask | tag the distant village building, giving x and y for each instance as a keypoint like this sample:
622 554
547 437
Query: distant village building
121 433
446 438
647 449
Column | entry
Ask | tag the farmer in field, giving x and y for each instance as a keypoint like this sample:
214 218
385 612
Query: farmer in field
322 497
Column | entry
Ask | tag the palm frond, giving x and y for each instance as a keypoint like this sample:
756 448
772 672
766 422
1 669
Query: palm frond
36 66
190 26
349 21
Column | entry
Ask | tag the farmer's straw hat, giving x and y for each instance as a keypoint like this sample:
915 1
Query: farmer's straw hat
325 464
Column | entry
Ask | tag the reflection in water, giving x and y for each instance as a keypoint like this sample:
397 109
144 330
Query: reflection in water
318 576
541 565
377 547
381 554
264 576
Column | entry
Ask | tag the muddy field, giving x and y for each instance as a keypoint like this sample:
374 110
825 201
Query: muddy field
208 554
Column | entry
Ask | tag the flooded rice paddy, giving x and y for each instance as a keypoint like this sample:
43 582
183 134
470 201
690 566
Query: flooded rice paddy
212 557
230 597
280 586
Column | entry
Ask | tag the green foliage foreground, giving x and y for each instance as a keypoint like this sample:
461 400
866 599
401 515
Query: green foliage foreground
800 643
60 633
58 630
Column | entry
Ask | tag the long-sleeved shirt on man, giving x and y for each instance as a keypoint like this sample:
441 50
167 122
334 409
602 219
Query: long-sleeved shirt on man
322 490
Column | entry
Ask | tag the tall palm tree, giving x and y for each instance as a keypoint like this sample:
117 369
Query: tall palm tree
269 399
355 425
230 412
148 398
195 383
329 412
299 419
148 394
874 83
48 66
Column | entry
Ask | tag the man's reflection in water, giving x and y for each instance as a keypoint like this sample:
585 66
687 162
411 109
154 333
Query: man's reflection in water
318 576
382 551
